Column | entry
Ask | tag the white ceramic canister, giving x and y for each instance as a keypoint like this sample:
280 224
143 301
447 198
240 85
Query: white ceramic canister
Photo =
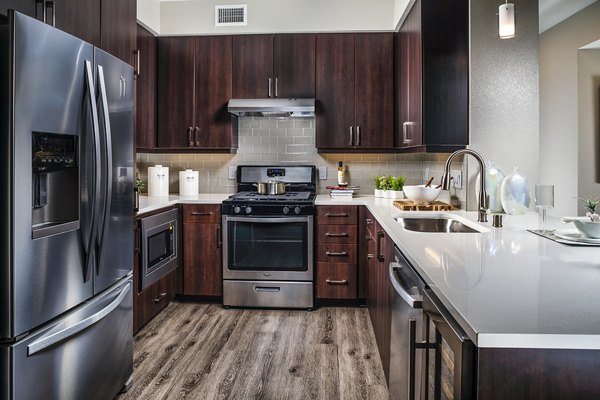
188 183
158 181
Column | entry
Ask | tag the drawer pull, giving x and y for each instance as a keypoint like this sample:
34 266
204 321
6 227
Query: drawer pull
331 253
197 213
159 298
369 221
329 234
267 289
337 215
334 282
369 256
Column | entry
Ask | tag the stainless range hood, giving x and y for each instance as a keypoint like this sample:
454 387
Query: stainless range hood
279 108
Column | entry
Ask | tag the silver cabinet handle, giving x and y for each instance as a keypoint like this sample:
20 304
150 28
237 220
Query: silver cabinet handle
351 136
337 215
198 213
190 138
334 254
405 138
380 235
159 298
270 86
137 62
45 342
336 282
276 86
328 234
369 256
196 133
358 135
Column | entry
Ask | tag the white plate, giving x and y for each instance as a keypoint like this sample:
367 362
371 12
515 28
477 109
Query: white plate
574 236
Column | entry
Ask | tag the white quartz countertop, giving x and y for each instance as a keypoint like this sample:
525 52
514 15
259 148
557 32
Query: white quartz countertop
506 287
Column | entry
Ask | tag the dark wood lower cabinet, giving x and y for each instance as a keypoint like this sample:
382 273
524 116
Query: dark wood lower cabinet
149 302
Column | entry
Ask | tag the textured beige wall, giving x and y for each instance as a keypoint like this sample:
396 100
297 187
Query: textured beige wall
559 113
589 125
275 16
504 119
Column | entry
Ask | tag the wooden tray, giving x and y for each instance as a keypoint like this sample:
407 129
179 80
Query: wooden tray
409 205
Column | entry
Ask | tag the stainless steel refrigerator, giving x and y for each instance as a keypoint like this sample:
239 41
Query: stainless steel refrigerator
66 215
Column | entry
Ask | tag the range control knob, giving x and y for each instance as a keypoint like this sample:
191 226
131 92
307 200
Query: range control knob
297 210
286 210
248 210
237 209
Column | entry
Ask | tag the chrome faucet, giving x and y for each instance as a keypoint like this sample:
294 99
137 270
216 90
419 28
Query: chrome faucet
482 201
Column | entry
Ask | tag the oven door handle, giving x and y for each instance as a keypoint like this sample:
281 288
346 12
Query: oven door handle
269 220
267 289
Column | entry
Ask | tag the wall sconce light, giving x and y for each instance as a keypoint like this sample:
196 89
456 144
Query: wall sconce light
506 20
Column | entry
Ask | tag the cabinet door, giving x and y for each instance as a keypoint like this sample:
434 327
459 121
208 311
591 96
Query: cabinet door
294 65
27 7
175 92
253 66
80 18
202 260
364 219
385 256
213 90
118 28
335 91
145 119
374 90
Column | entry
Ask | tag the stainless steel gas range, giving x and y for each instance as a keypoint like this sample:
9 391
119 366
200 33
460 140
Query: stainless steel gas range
268 239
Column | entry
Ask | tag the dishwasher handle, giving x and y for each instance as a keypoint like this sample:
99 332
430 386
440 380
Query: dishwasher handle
414 301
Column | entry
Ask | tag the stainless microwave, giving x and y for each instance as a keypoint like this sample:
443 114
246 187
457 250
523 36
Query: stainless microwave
159 246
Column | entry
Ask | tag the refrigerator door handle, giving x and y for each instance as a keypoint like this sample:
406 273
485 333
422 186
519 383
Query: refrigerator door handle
64 334
109 160
89 243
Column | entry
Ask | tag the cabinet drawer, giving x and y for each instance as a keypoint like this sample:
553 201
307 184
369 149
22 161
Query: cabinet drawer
336 234
336 253
336 281
201 213
156 297
338 215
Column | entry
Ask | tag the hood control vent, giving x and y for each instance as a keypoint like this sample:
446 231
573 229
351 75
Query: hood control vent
276 108
232 15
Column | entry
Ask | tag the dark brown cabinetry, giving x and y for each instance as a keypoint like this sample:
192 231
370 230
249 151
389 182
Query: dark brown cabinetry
380 250
145 111
202 257
274 66
354 80
118 28
336 252
432 77
194 86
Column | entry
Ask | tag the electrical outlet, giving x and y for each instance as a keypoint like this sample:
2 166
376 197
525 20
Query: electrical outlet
457 175
322 173
232 172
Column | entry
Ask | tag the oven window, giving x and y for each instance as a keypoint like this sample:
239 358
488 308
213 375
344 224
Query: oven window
159 248
268 246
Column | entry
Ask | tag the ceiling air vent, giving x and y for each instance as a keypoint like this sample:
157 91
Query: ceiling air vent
233 15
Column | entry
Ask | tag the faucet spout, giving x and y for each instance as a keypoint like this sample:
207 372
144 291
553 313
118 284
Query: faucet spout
482 200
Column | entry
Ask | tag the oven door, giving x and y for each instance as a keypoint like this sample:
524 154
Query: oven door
268 248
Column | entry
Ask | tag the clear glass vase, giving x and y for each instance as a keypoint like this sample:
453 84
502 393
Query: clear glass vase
514 193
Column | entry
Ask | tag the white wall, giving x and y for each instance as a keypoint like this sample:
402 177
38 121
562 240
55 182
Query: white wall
559 104
274 16
504 119
148 14
400 9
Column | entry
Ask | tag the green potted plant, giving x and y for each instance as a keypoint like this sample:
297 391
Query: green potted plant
138 188
381 184
395 186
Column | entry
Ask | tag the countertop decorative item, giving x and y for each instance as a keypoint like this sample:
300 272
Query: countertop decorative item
188 182
381 184
395 186
158 181
422 194
514 193
493 179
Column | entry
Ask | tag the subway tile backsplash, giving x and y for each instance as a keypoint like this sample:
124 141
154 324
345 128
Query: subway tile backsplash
292 141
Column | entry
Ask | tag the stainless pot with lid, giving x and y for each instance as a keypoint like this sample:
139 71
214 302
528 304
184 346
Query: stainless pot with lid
271 187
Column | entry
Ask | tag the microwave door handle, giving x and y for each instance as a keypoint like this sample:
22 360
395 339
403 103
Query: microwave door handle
91 239
108 155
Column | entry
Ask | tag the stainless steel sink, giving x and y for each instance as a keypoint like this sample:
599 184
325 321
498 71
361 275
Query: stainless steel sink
440 224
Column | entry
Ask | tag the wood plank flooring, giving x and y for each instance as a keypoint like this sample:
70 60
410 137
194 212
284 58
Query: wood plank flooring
202 351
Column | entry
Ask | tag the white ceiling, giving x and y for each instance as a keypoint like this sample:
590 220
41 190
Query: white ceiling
553 12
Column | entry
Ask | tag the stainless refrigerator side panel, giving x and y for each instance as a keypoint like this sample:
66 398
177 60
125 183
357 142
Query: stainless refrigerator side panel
94 363
6 161
49 96
5 373
116 225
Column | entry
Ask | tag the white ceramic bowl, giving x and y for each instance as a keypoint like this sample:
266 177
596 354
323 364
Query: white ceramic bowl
584 225
421 194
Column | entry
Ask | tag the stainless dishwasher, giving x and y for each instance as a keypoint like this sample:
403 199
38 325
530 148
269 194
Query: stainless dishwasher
407 335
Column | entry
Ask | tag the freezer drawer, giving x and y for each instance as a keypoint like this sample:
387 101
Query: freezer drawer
276 294
87 355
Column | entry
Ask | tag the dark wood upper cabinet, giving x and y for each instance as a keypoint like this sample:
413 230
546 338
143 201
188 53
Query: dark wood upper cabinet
354 80
432 75
253 66
294 65
175 92
335 90
24 7
118 28
145 112
213 91
79 18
